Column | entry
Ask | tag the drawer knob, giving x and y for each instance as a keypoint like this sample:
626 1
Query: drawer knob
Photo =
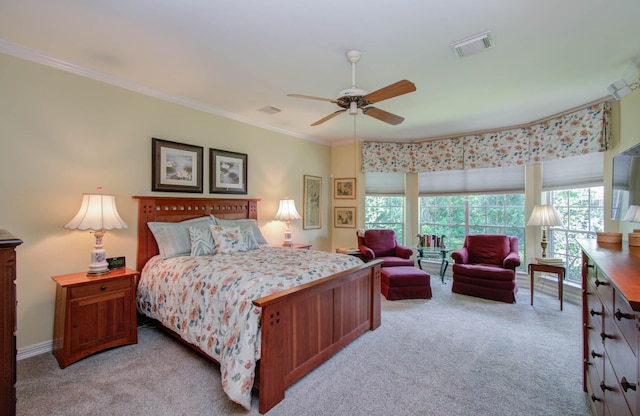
586 292
587 265
592 312
103 287
601 283
587 363
619 315
605 336
595 399
604 387
595 354
586 326
626 385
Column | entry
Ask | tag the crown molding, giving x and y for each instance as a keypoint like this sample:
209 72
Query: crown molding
40 58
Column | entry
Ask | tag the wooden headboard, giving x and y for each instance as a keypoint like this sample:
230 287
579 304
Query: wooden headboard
176 209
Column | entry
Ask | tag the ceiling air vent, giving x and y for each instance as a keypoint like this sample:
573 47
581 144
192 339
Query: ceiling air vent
472 44
269 109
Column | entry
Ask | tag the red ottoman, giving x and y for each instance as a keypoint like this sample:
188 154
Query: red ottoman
405 282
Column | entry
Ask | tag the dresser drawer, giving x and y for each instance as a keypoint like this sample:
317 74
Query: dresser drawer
625 318
615 401
100 287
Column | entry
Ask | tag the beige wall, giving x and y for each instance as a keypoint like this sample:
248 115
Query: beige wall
62 135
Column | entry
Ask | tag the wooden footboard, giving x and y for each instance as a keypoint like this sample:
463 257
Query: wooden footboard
302 327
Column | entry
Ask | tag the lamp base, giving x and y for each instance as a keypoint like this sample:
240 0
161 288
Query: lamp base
98 265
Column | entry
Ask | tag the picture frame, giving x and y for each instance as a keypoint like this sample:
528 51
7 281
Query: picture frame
176 167
344 188
312 202
227 172
344 217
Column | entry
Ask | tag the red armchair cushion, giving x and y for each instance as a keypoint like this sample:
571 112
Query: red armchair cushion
488 248
484 271
382 242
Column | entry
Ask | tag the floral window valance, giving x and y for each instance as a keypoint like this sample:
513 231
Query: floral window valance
581 132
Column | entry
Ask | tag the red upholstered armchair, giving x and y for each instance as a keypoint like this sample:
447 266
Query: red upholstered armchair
381 244
485 267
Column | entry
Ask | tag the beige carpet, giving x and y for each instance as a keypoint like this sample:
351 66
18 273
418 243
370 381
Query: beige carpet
451 355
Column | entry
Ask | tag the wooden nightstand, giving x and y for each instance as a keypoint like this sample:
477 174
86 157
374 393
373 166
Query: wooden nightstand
93 313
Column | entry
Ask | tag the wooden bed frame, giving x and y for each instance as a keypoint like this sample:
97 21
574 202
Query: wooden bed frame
301 327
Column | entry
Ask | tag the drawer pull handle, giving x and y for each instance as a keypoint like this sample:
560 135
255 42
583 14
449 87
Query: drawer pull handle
595 354
600 282
103 287
604 387
592 312
586 292
587 363
586 326
605 336
587 265
595 399
626 385
619 315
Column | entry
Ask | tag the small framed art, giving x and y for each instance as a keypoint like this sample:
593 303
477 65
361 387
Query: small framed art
344 217
312 203
344 188
227 172
176 167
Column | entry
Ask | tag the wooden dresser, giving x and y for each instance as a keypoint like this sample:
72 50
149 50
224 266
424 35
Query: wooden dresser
8 244
611 326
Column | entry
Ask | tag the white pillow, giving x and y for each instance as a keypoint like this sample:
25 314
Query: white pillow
244 224
227 240
173 237
201 242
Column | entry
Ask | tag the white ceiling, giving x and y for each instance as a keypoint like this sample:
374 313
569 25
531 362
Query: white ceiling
234 57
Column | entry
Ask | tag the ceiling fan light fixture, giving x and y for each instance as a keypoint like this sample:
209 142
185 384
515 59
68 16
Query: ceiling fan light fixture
472 44
353 108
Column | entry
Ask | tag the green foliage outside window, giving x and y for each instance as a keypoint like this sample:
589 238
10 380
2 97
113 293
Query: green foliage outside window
385 212
582 212
458 215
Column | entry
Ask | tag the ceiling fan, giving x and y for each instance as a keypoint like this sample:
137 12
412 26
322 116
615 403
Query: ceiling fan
355 98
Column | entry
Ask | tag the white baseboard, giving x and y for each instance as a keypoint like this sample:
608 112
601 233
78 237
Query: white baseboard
33 350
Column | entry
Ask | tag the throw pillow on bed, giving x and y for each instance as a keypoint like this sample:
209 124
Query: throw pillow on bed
201 242
173 237
249 225
227 240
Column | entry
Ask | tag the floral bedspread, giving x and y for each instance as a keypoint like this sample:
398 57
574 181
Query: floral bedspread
207 300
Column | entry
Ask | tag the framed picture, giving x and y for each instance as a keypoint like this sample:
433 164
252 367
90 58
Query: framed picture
344 217
227 172
176 167
312 203
344 188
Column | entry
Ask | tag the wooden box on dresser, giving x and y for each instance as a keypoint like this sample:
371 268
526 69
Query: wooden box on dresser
611 326
8 244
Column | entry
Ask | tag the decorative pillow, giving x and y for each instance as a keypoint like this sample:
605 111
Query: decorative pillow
227 240
173 237
201 242
244 224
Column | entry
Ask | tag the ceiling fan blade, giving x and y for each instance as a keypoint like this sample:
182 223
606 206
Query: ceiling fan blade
383 115
311 97
390 91
329 117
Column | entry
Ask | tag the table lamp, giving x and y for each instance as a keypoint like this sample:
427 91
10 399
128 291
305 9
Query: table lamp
97 213
287 212
545 216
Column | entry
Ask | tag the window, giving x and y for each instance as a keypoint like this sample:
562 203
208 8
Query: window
582 213
458 215
385 212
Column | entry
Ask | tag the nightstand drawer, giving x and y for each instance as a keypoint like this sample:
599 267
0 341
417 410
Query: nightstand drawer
99 288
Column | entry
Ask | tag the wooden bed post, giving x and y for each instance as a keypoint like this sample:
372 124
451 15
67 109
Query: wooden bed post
274 346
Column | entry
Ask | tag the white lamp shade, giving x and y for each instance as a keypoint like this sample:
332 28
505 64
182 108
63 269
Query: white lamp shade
633 214
287 211
98 212
545 215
